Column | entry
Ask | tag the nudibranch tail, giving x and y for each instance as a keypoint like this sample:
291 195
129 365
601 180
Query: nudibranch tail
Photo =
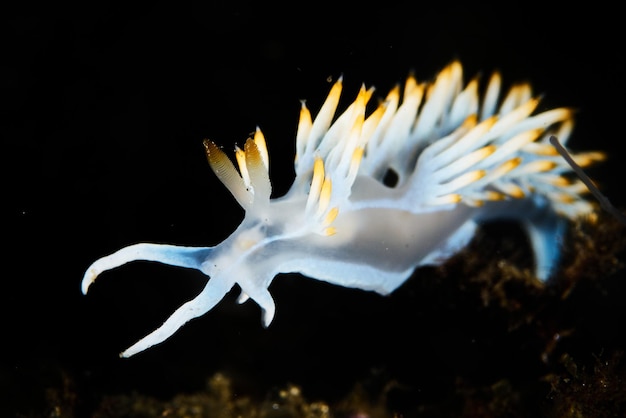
458 159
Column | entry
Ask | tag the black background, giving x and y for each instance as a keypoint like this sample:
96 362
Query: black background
104 110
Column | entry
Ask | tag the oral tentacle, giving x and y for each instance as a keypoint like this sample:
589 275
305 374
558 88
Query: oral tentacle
188 257
211 295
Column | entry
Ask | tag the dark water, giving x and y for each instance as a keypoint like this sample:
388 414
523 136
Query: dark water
106 107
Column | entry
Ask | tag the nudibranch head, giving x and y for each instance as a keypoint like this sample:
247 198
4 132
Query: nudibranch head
459 157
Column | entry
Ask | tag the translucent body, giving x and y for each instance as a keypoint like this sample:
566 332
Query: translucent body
460 161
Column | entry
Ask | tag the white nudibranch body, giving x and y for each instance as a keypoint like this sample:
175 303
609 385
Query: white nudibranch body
459 161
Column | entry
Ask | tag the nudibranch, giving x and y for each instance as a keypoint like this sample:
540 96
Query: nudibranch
459 157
